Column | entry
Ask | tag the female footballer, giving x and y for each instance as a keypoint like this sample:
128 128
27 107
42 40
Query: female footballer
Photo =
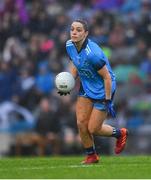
97 88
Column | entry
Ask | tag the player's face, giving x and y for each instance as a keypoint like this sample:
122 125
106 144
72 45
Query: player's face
77 32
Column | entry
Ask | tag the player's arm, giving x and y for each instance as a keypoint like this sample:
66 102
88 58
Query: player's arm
104 73
73 70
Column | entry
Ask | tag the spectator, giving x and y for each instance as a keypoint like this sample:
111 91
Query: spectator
44 79
46 135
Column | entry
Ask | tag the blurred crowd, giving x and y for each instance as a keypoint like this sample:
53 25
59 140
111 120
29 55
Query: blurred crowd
32 51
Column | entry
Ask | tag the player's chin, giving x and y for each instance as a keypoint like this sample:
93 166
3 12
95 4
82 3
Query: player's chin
75 40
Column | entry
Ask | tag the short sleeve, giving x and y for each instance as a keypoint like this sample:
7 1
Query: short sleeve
69 46
98 57
98 62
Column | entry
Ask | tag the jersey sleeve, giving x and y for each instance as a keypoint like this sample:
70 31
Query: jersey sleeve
68 48
98 61
98 57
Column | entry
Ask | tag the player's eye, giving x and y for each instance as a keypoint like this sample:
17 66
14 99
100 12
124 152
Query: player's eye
75 29
79 30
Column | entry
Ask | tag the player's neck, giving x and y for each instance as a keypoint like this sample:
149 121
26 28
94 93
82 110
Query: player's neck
79 44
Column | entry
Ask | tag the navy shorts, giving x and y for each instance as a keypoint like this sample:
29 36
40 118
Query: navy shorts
98 104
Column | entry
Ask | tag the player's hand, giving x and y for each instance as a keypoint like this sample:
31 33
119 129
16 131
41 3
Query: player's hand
63 93
110 108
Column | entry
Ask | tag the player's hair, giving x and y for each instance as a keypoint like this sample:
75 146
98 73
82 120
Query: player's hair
83 22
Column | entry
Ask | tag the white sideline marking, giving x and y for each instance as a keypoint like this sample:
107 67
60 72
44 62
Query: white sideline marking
50 167
54 167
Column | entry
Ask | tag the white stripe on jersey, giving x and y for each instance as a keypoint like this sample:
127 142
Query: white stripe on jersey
89 48
69 43
87 51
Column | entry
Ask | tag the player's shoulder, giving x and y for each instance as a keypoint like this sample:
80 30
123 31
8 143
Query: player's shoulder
69 43
94 45
95 48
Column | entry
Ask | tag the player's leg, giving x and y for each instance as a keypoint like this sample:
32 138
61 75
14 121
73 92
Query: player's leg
97 127
83 113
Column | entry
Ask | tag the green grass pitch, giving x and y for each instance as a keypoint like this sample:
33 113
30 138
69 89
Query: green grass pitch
109 167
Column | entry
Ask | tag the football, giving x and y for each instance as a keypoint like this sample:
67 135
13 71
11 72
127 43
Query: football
65 82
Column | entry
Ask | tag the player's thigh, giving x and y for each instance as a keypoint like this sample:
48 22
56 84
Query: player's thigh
84 108
96 119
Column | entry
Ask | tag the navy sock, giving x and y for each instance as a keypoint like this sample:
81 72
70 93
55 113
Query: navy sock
91 150
116 133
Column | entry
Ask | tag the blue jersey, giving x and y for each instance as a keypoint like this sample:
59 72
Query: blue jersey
88 61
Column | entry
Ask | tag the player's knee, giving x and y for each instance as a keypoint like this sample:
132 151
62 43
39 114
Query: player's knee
82 126
93 130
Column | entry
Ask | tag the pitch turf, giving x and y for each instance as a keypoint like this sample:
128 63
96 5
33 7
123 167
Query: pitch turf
126 167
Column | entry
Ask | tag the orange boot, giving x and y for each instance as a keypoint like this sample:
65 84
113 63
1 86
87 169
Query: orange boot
91 159
121 141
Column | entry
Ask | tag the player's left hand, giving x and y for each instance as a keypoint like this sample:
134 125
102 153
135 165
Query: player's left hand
63 93
110 108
